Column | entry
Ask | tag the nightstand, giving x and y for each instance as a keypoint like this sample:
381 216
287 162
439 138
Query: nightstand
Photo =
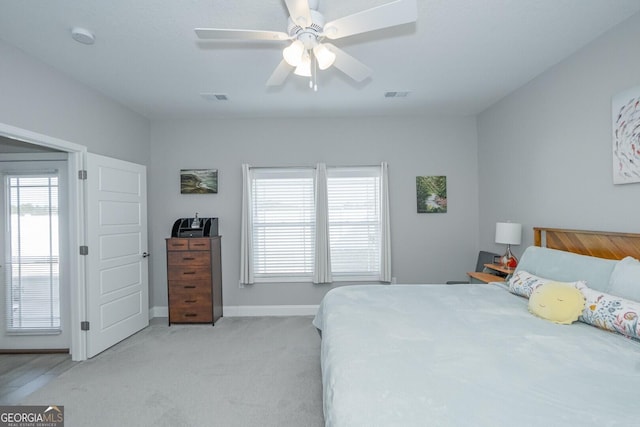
491 273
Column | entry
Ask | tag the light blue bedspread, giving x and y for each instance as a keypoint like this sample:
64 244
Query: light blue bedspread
468 355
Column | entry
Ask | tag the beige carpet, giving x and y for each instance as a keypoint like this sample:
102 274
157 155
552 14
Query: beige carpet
241 372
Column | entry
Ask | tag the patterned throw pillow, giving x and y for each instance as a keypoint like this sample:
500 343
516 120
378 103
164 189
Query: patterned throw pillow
611 313
524 283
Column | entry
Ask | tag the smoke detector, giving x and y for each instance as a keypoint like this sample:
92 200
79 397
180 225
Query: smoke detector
82 35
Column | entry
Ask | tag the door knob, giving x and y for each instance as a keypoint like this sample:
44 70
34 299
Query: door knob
145 254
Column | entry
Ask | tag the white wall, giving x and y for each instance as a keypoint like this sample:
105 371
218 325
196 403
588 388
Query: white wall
545 150
426 248
38 98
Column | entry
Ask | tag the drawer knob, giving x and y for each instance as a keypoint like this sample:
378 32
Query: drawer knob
189 272
191 301
189 286
190 315
188 259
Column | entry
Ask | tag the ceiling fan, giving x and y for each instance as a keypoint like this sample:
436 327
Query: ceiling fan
307 31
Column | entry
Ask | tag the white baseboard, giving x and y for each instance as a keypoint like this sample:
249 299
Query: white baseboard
269 310
251 310
158 312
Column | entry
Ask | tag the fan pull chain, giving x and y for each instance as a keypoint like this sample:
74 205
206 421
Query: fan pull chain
313 67
315 74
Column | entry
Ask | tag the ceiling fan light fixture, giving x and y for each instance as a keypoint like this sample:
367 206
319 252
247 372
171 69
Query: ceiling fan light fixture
325 57
293 53
304 68
307 28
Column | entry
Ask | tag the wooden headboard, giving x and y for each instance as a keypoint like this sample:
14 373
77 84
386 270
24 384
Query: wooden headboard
601 244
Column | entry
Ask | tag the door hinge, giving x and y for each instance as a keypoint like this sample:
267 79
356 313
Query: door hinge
84 325
82 174
84 250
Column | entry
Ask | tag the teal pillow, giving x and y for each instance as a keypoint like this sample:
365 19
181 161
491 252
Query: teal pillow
625 279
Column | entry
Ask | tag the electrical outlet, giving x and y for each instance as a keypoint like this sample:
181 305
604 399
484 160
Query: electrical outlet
393 281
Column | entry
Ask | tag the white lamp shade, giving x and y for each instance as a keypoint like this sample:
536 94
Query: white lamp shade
324 56
508 233
304 68
293 53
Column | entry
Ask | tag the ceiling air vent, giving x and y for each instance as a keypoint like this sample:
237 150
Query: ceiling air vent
402 94
214 96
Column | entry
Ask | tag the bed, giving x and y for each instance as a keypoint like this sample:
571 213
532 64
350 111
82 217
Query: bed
473 355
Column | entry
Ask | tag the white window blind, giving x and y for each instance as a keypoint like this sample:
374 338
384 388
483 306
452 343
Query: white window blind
283 226
32 273
354 221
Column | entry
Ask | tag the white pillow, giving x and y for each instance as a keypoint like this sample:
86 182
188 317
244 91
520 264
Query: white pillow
625 279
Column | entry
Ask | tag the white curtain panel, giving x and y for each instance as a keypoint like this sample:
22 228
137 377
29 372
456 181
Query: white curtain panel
246 230
385 226
322 261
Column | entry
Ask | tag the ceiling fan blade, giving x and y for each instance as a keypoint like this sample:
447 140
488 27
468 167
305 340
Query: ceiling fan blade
349 65
279 74
299 12
387 15
222 34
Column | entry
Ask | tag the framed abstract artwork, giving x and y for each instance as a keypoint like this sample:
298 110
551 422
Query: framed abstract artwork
626 136
198 181
431 194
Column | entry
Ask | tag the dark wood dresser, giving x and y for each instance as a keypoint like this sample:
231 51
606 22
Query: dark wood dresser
194 277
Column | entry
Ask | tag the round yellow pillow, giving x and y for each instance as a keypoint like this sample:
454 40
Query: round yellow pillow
557 302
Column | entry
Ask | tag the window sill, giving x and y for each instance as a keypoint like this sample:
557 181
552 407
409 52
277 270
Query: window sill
336 279
33 332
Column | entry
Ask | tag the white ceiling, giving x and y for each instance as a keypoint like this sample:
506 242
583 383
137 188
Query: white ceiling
460 57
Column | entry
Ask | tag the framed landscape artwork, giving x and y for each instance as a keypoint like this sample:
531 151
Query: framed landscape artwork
431 194
626 136
198 181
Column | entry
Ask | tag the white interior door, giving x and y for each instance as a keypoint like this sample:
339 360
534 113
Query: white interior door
117 267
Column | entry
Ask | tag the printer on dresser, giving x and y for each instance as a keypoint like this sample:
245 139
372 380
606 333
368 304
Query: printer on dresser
194 273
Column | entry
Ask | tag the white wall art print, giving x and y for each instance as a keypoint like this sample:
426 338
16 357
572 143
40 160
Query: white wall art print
626 136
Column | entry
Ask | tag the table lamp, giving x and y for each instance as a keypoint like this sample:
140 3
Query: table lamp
508 233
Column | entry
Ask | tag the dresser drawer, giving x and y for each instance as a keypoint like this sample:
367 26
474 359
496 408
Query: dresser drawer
178 258
189 286
199 244
190 315
177 244
187 298
186 272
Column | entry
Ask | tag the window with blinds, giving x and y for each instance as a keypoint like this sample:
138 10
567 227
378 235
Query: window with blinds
283 223
32 252
283 218
354 222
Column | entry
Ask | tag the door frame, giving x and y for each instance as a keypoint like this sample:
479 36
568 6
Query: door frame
76 229
39 163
